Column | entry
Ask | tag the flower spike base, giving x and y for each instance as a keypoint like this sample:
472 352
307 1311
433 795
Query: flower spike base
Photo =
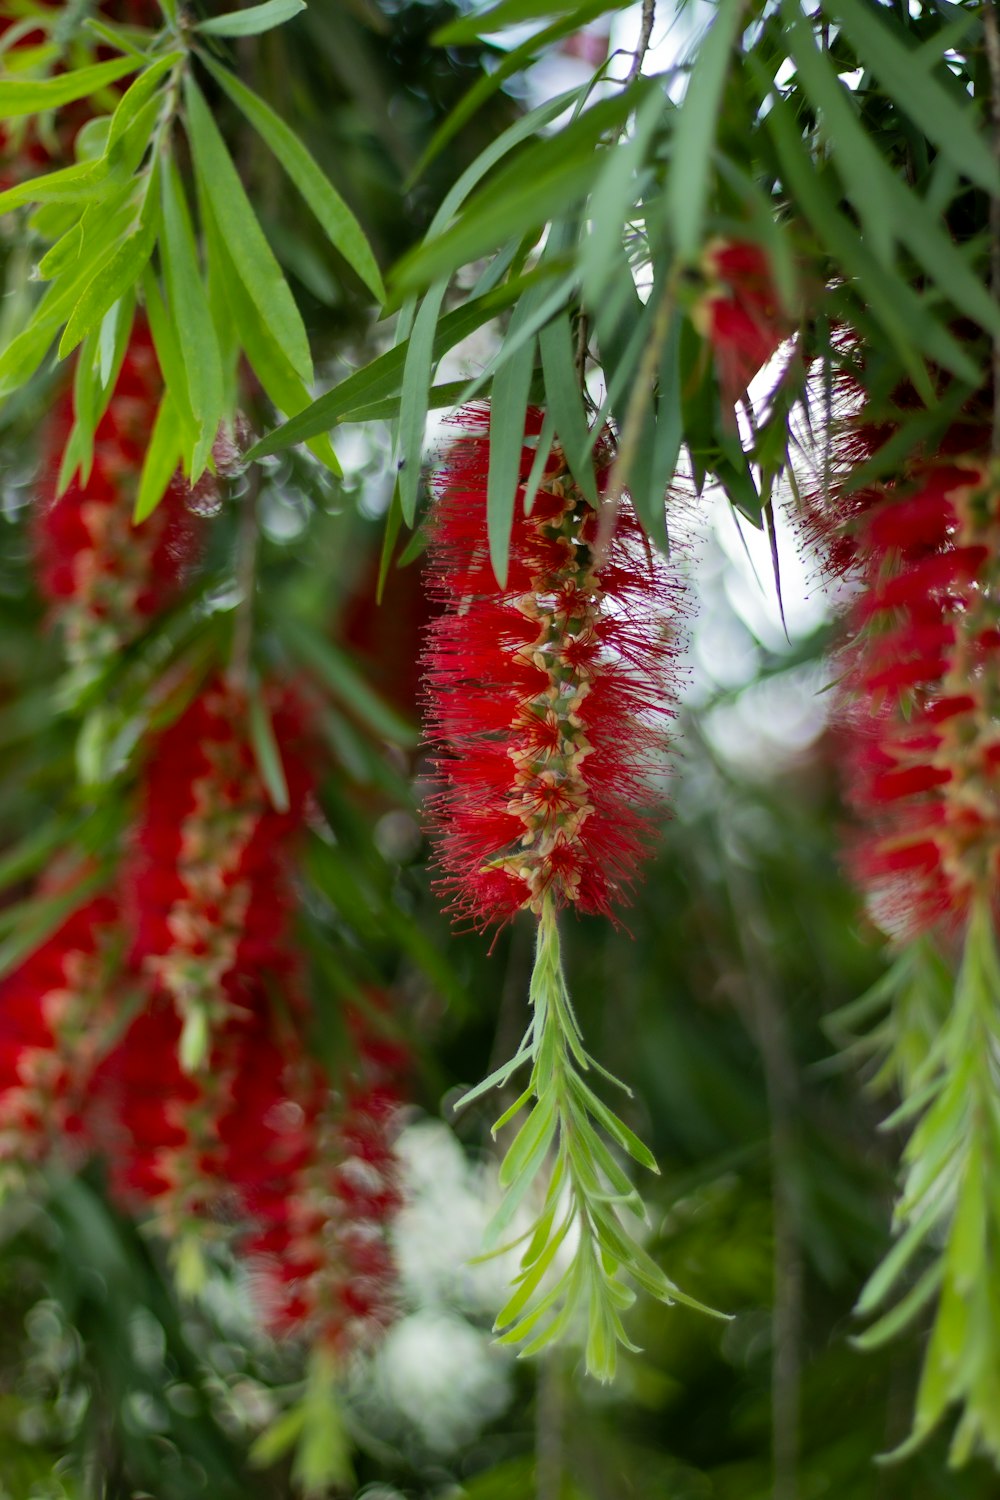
579 1255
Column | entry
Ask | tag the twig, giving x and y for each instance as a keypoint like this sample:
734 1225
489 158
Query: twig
645 34
991 33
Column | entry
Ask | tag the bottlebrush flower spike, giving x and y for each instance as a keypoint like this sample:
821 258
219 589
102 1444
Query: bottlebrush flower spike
548 699
319 1179
209 886
103 576
738 313
56 1012
922 727
920 709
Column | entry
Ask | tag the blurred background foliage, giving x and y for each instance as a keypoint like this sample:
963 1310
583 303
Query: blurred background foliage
710 1001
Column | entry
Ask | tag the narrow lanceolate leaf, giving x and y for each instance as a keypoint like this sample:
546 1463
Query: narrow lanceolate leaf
267 754
251 254
338 222
956 129
507 413
345 681
267 358
192 318
117 276
508 13
690 175
413 398
21 96
547 179
617 188
253 20
138 95
515 61
163 455
564 401
382 378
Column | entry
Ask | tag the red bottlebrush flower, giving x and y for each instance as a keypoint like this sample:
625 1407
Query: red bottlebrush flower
55 1014
548 697
104 576
317 1173
923 698
739 314
161 1129
209 892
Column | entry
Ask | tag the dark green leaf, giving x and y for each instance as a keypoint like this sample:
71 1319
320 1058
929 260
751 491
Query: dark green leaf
252 256
338 222
253 20
564 401
957 131
267 753
30 97
507 418
689 175
192 318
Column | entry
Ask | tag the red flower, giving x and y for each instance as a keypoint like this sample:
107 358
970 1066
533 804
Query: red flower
923 695
739 314
317 1175
55 1014
209 888
547 698
104 576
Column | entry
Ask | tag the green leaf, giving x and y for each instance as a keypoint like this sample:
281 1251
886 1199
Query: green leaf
689 174
266 357
252 256
168 355
83 180
137 96
511 13
900 311
345 681
20 97
957 131
413 399
267 753
116 276
161 460
617 188
192 318
515 61
508 409
541 184
564 401
338 222
382 378
253 20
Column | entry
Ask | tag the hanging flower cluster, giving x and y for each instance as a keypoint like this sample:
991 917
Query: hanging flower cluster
926 749
548 698
105 577
163 1024
919 700
54 1009
210 880
738 313
320 1250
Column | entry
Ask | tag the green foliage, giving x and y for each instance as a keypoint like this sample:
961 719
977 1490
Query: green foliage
948 1205
584 1290
120 225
